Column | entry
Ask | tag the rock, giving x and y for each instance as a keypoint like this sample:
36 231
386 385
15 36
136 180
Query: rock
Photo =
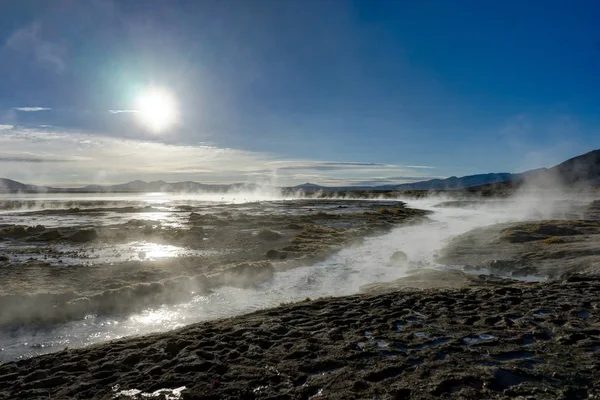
276 255
36 229
15 232
83 235
4 258
399 258
46 236
268 234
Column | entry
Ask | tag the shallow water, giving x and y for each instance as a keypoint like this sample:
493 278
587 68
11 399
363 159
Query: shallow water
105 254
341 274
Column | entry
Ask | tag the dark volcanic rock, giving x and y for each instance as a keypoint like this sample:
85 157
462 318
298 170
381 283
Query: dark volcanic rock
36 229
46 236
83 235
505 340
276 255
15 232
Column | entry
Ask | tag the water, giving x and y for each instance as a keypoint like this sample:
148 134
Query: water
341 274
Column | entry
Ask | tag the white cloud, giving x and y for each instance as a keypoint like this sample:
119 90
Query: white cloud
6 127
31 41
31 109
50 157
419 166
122 111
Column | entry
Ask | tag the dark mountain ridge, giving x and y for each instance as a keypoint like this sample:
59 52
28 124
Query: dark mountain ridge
583 170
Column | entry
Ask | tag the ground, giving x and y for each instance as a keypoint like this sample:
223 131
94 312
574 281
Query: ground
497 340
431 334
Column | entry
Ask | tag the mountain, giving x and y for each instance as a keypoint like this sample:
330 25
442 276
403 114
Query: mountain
162 186
10 185
453 183
583 170
309 187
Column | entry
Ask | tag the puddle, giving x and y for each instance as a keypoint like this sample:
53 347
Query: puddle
481 338
503 379
513 355
583 314
324 372
542 313
433 344
414 361
382 344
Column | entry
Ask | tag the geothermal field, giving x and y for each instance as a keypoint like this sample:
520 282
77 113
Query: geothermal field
256 295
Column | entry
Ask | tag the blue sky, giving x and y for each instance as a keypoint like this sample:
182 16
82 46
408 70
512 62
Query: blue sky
285 91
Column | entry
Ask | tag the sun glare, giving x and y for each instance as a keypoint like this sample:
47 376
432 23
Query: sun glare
156 109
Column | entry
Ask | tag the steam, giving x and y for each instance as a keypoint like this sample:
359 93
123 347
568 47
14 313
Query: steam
341 274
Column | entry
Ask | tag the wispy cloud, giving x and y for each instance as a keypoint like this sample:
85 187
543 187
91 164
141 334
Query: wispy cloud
122 111
419 166
32 42
52 156
6 127
31 109
290 165
30 159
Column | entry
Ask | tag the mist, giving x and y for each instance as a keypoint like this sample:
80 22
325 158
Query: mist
343 273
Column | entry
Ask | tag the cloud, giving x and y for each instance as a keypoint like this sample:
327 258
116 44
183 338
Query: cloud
323 165
419 166
122 111
355 164
31 109
6 127
30 159
66 157
32 42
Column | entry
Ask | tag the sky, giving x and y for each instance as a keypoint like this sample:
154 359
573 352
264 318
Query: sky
333 92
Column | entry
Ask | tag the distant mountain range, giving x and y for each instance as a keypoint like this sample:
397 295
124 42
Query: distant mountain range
133 187
581 170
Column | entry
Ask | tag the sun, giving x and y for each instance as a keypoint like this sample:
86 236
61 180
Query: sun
156 109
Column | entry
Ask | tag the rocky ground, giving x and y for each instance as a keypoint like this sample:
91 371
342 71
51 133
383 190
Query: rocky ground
544 248
495 339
